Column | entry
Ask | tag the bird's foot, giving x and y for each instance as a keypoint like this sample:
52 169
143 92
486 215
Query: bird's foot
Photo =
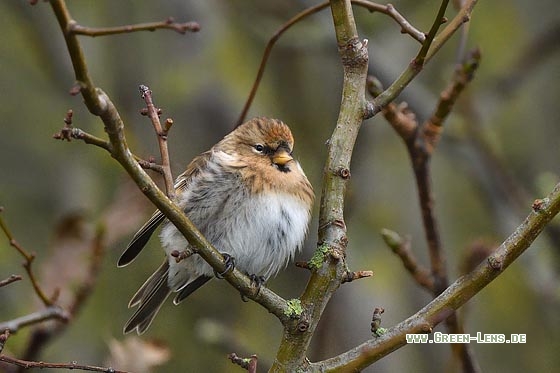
256 281
229 265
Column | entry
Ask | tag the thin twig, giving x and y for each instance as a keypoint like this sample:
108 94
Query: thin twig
25 364
49 313
440 19
455 296
389 10
356 275
464 73
273 39
421 150
9 280
388 95
182 28
41 336
401 247
29 258
421 141
154 113
69 132
376 320
250 364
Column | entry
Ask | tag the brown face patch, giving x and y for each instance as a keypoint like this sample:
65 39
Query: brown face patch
269 132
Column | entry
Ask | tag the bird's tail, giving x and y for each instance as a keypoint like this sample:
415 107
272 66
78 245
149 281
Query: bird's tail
149 298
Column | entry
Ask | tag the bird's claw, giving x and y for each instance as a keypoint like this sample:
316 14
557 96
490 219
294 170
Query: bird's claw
256 281
229 264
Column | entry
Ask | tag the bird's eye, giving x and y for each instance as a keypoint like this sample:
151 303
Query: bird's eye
259 148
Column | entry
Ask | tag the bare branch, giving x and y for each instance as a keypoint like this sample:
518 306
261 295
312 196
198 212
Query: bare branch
440 19
412 70
389 10
29 258
169 23
456 295
250 364
351 276
9 280
3 338
99 104
154 113
464 73
329 267
401 247
69 132
269 45
25 364
49 313
421 141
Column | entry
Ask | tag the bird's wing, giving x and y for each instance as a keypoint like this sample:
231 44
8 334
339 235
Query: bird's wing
193 171
145 232
140 239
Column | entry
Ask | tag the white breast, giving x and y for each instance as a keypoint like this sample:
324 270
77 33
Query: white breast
262 232
267 239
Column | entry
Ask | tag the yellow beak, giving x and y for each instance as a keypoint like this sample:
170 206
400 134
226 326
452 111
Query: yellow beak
281 157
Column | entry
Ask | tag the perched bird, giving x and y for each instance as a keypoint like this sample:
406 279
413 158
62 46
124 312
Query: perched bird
249 198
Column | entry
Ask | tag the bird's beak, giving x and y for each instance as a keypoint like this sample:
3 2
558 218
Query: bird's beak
281 157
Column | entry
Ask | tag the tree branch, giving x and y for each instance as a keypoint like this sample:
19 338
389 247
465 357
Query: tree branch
49 313
440 19
330 268
401 247
100 105
169 23
28 264
9 280
153 113
68 132
456 295
388 9
68 366
421 143
385 97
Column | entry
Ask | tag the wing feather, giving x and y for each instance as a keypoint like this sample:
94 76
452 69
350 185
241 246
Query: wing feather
143 235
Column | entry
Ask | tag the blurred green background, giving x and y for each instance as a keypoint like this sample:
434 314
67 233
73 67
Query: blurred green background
500 150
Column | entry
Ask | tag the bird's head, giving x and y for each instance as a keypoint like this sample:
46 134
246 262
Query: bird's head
263 142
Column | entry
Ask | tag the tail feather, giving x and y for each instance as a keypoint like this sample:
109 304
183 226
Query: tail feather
150 298
151 295
149 285
190 288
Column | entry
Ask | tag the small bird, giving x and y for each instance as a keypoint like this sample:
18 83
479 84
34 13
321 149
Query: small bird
248 196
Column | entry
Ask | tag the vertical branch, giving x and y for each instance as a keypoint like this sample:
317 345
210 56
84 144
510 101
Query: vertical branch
161 133
329 271
421 147
421 141
414 67
440 19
